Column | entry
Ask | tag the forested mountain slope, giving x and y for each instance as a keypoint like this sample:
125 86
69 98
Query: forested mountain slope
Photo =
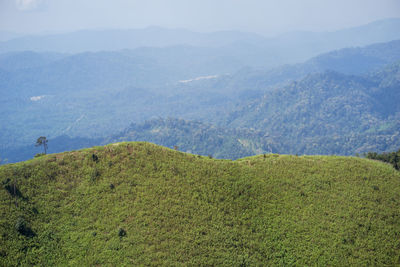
328 105
198 138
184 135
97 95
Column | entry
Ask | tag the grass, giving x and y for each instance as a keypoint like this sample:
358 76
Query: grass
142 204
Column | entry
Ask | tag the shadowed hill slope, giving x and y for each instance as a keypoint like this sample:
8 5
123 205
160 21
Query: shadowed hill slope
138 203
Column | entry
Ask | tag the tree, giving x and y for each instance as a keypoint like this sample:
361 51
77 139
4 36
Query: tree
42 141
392 158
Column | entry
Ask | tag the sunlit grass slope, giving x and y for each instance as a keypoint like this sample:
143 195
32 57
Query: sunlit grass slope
142 204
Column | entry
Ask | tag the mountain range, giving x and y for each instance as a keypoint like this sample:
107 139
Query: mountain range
203 99
251 49
327 113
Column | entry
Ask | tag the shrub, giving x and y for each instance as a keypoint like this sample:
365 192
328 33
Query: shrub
95 158
94 175
121 232
20 225
13 190
22 228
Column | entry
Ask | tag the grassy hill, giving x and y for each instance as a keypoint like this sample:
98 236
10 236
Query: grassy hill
138 203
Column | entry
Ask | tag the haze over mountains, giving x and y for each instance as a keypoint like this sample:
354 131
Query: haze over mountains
250 48
230 86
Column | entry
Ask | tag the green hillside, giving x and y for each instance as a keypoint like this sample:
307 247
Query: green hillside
142 204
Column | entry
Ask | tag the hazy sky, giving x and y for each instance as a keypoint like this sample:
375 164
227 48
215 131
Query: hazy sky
262 16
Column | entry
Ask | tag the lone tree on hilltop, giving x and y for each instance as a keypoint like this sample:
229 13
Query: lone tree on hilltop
42 141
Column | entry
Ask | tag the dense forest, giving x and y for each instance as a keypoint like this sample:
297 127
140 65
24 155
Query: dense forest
330 107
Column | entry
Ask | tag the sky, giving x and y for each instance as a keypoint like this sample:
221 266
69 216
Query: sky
267 17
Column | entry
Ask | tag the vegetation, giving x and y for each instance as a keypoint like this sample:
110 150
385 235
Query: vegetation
329 113
184 135
141 204
42 141
96 95
392 158
197 137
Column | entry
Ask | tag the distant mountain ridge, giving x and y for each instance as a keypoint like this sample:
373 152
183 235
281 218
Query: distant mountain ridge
7 35
27 60
357 61
110 40
35 73
252 49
